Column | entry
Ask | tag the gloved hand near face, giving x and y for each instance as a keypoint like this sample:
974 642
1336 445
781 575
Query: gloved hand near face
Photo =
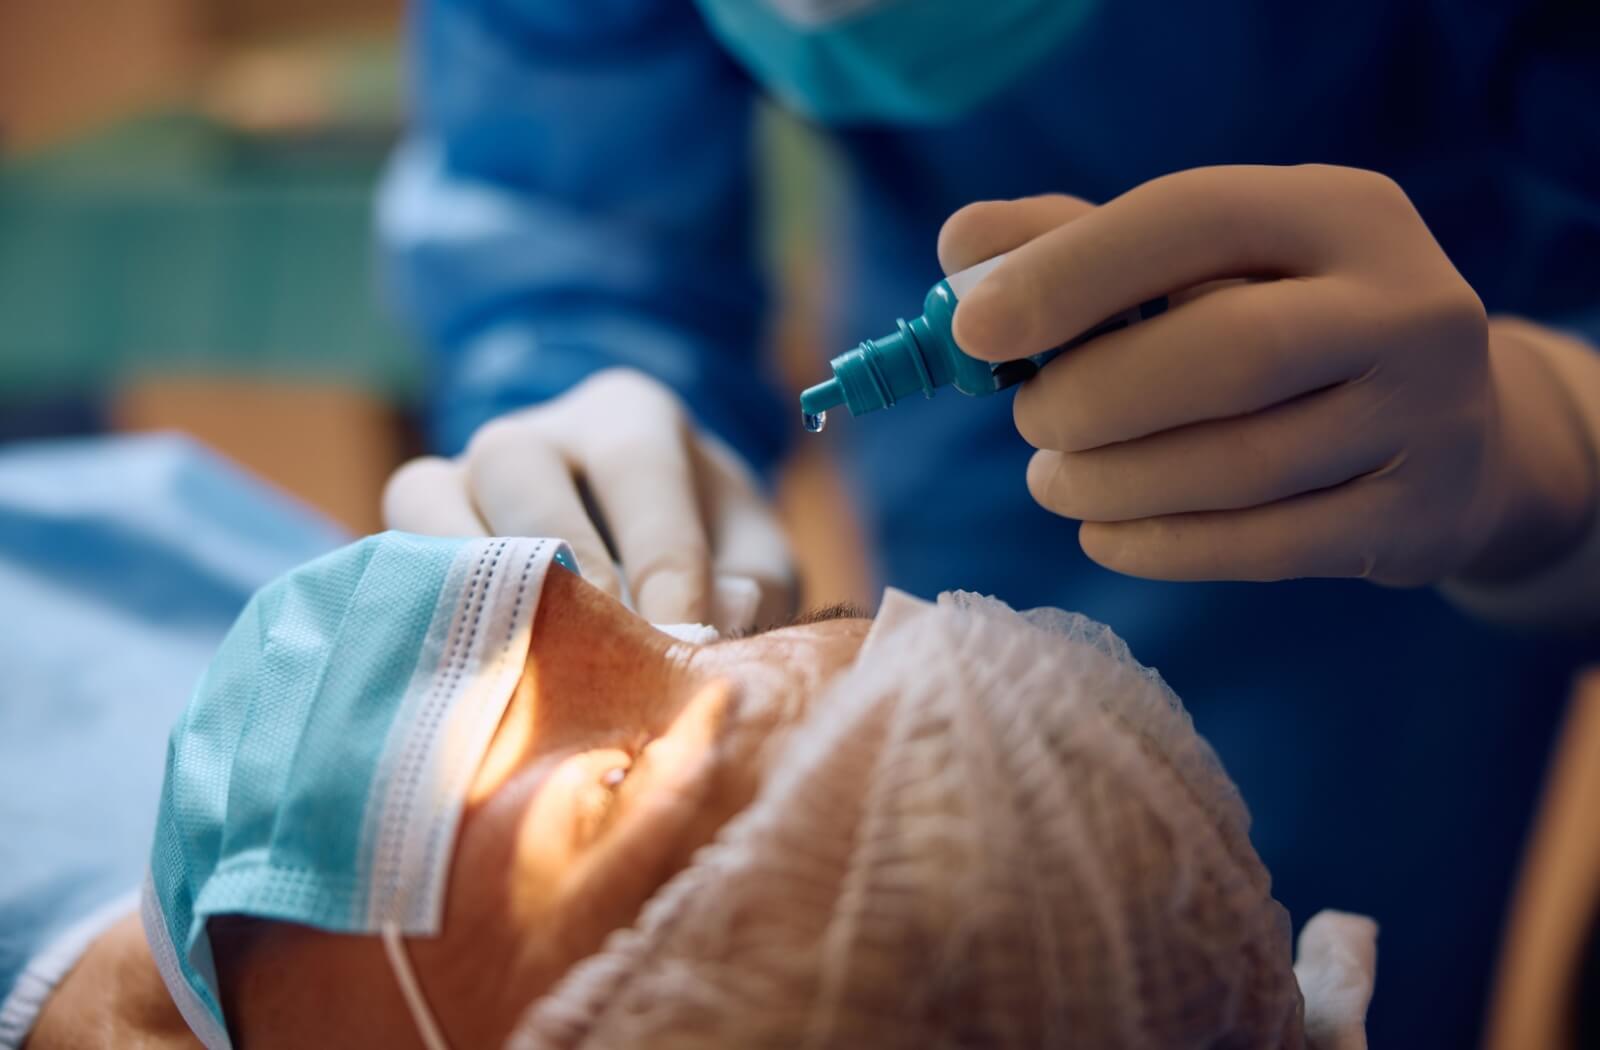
1324 398
695 540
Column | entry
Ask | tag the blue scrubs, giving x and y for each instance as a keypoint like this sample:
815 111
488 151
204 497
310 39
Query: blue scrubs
577 194
123 561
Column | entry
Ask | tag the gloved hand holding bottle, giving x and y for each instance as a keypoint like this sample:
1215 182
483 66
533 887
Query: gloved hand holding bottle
1324 397
694 539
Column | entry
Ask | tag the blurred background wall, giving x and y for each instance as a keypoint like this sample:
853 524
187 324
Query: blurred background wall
184 231
186 243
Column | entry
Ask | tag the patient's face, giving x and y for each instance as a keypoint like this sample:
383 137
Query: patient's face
621 753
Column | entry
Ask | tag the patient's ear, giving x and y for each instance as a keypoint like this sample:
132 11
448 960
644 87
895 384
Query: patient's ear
289 985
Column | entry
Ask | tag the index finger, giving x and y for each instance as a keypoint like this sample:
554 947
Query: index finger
429 496
1168 234
523 487
748 544
642 476
984 229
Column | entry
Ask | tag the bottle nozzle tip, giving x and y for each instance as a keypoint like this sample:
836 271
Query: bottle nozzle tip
816 400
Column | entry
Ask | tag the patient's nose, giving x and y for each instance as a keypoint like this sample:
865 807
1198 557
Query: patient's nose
597 669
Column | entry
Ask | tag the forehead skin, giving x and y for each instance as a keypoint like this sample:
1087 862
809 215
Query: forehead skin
518 910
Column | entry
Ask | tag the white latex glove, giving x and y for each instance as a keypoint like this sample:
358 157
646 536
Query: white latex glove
1325 396
1336 963
694 538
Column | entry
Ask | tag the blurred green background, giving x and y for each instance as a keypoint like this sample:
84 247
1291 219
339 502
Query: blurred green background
172 242
186 242
224 229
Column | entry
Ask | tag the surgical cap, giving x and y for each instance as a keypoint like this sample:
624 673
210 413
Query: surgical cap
319 772
998 830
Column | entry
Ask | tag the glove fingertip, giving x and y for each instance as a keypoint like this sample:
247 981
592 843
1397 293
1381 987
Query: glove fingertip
671 596
734 601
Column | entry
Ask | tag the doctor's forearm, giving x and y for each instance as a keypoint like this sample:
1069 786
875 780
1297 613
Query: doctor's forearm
1545 519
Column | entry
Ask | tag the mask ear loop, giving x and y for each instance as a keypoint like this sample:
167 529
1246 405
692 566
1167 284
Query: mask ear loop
410 989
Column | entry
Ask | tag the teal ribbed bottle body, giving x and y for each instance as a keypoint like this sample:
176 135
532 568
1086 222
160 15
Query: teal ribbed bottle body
921 355
917 358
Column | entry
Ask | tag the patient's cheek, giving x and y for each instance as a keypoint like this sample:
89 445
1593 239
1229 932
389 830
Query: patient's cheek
289 985
512 743
567 814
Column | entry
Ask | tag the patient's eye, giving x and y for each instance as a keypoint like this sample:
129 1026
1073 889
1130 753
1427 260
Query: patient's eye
621 761
597 794
595 785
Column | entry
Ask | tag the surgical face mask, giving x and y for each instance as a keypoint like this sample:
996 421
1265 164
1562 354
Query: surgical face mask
319 772
916 61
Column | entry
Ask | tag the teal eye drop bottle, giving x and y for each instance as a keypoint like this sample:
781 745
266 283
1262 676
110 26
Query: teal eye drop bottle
922 355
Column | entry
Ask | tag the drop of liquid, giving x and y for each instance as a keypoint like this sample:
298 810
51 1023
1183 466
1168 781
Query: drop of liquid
814 423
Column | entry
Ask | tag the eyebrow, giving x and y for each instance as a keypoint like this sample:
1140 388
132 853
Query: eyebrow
821 614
